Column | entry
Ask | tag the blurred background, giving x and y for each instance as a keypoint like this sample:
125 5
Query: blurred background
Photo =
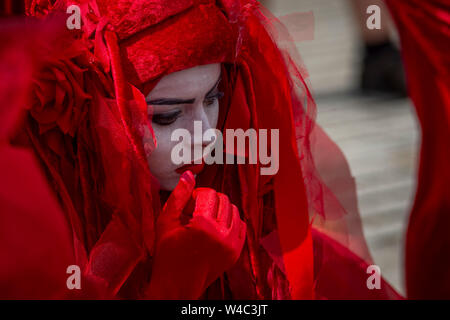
357 80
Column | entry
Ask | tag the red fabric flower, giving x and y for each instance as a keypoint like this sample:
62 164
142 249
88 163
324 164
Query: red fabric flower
59 98
38 8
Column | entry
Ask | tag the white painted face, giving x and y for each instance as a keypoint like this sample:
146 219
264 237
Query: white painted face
178 100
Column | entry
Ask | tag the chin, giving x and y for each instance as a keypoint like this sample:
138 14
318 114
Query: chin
169 184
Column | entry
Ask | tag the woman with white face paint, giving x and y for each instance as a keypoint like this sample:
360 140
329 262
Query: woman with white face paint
145 227
212 227
178 100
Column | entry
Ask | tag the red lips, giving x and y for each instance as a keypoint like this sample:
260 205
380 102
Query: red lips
194 168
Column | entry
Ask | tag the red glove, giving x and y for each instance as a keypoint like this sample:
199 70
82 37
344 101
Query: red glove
199 236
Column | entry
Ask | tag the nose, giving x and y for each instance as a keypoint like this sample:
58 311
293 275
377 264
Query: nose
200 115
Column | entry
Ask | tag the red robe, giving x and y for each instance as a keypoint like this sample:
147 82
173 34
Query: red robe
424 28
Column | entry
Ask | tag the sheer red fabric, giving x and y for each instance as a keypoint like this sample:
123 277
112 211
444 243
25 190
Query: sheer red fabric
88 117
424 28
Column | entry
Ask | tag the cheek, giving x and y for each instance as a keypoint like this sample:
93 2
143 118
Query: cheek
160 159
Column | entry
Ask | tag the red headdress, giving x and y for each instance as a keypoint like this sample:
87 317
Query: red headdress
89 116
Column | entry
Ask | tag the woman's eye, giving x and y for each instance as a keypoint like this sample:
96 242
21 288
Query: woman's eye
165 119
209 101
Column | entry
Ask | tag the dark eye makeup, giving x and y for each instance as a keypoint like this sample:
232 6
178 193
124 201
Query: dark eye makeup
166 118
211 99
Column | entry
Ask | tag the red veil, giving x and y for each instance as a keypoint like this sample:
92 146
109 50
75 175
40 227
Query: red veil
87 118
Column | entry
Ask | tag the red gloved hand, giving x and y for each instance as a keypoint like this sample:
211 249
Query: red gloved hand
199 236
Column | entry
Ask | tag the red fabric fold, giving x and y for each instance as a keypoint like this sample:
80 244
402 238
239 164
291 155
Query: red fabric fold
424 28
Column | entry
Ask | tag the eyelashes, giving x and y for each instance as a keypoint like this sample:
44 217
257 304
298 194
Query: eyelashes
213 95
210 100
167 118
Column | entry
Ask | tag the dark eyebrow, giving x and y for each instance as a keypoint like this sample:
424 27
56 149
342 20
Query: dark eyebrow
170 102
174 101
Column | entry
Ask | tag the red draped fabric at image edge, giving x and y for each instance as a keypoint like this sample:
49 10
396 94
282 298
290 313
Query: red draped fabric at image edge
86 119
424 28
35 242
11 7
